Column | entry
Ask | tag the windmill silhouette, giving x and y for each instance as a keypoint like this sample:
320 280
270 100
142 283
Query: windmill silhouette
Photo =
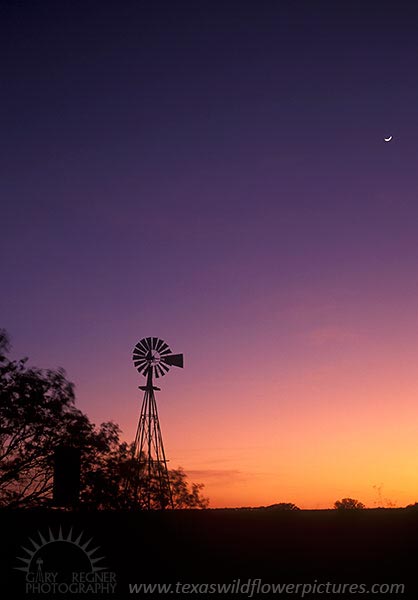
148 482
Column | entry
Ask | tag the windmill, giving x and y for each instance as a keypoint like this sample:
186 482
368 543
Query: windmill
149 481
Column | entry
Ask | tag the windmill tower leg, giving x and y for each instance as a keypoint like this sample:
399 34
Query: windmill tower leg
164 486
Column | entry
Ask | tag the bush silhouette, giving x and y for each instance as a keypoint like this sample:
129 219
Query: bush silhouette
283 506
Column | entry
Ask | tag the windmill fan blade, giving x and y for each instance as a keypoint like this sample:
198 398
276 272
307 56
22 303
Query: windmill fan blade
159 371
166 369
164 349
154 343
143 343
148 341
137 358
138 352
139 363
159 345
141 347
165 352
176 360
138 355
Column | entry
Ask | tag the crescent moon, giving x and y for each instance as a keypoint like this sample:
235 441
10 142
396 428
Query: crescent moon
388 139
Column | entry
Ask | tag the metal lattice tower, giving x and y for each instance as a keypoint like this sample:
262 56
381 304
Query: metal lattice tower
148 482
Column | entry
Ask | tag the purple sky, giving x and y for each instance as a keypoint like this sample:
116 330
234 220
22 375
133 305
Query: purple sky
203 172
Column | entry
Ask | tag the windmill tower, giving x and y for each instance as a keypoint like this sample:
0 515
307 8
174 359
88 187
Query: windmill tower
148 483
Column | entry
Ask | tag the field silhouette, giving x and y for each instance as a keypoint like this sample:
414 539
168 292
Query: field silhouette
221 545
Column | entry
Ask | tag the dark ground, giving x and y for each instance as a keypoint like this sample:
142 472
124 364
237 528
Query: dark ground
219 546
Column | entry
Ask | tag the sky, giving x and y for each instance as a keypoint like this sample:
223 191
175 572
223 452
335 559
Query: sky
215 174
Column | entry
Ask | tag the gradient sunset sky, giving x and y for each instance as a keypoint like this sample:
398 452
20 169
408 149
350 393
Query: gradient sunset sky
214 173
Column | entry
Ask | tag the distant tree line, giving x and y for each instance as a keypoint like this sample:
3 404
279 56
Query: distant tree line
37 414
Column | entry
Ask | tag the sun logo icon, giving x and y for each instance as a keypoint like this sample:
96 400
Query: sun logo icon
40 551
64 564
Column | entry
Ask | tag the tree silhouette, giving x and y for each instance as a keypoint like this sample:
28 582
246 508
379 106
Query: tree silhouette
183 496
101 467
37 414
107 487
348 504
